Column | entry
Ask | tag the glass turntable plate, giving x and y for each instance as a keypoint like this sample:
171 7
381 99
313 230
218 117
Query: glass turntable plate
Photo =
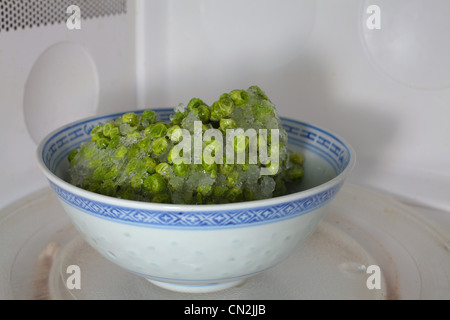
367 237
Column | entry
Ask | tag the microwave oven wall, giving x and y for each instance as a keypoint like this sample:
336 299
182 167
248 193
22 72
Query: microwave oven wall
374 72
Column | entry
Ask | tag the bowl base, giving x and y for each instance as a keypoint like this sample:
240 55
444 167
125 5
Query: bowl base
187 288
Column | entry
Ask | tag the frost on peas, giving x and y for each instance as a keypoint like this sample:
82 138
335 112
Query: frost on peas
140 157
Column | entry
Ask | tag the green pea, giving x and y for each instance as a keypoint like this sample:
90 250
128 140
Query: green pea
133 151
102 143
162 168
205 190
97 129
127 193
199 198
174 133
226 123
160 145
99 173
203 113
121 152
72 155
132 165
136 181
258 92
208 163
297 158
232 178
239 97
93 187
114 132
88 151
97 136
157 131
154 183
149 116
95 163
296 173
148 164
134 135
144 143
108 188
195 103
112 172
107 129
235 194
222 108
178 117
130 118
262 112
148 129
114 142
164 123
219 192
226 168
161 198
181 169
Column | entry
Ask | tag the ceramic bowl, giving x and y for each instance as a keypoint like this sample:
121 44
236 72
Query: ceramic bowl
200 248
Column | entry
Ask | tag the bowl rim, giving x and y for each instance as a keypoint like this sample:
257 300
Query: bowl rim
151 206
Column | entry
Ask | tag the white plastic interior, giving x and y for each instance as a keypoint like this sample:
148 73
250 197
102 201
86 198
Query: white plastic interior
382 84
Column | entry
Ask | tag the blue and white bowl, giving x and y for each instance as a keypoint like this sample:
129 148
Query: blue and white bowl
200 248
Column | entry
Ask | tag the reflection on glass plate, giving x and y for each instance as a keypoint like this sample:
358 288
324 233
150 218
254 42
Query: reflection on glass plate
362 229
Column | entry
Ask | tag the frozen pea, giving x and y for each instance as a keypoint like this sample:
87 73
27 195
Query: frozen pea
114 142
160 145
239 97
132 165
157 131
227 123
181 169
102 143
112 172
203 113
72 155
99 173
162 168
195 103
148 164
296 173
297 158
149 116
154 183
121 152
161 198
130 118
108 188
107 129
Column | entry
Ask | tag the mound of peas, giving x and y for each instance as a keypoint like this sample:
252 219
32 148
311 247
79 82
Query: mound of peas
131 158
